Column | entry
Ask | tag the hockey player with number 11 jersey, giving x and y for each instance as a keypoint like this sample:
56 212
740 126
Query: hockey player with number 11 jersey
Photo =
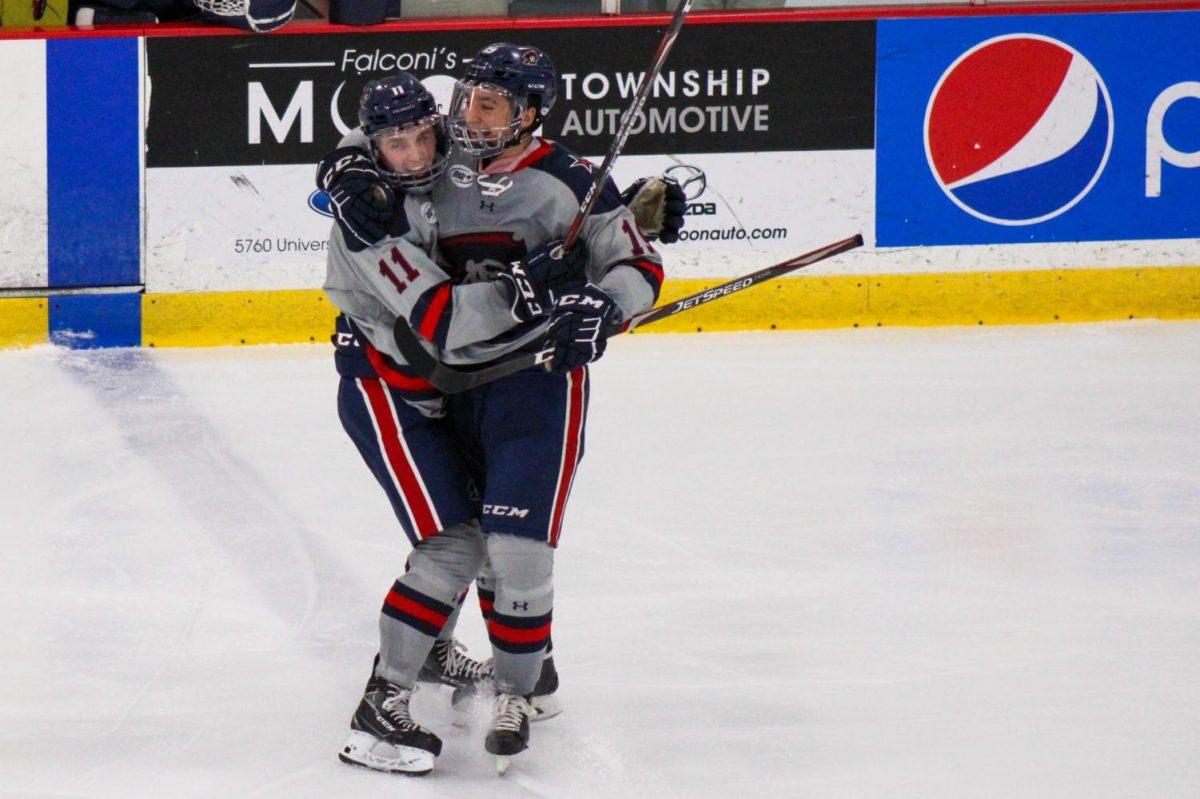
475 267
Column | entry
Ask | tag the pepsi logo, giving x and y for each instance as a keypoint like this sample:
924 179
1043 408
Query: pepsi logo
1018 129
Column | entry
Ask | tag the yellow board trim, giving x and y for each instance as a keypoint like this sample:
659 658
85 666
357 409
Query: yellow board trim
962 298
24 321
204 319
799 303
212 319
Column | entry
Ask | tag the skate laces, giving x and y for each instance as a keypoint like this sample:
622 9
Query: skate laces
457 663
396 705
511 710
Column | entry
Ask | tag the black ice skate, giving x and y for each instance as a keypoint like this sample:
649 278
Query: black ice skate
448 664
545 703
510 729
543 700
383 735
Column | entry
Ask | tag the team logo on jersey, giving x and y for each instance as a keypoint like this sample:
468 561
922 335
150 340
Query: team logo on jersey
462 176
479 256
429 213
1018 129
319 202
494 187
582 163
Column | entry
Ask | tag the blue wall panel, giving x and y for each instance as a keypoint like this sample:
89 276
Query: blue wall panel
93 167
88 321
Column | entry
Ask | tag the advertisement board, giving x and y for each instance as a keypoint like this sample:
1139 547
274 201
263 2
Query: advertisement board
759 122
1049 128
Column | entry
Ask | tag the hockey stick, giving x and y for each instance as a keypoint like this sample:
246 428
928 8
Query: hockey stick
449 380
618 142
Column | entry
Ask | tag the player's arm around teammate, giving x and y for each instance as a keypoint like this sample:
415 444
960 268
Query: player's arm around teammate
397 420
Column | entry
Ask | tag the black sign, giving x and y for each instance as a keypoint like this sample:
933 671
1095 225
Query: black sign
747 87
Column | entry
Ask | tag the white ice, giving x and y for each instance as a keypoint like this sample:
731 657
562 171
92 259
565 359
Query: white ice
870 563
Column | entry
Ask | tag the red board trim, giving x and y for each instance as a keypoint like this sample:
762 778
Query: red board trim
826 14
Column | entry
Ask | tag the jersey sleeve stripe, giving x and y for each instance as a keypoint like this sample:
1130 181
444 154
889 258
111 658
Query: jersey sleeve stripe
432 313
652 272
391 373
653 269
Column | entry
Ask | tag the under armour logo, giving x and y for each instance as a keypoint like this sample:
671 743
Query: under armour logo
520 606
484 205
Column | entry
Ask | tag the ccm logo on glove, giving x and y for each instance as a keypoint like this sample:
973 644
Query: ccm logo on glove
582 300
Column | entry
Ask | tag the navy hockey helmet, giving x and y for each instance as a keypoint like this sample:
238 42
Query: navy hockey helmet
524 76
400 117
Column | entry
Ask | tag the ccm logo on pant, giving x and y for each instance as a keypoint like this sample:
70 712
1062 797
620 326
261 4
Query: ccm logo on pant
506 511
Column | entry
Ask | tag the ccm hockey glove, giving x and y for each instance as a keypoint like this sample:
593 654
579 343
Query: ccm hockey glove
539 278
658 204
360 198
578 327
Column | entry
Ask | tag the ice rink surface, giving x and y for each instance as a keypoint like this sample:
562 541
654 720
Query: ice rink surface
867 563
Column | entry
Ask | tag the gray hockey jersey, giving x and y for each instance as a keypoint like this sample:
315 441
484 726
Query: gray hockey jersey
439 269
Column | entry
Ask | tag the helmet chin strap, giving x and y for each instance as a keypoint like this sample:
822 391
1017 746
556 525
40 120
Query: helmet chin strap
521 137
526 133
534 125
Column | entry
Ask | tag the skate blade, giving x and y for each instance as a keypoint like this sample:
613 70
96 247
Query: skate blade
502 764
545 707
407 760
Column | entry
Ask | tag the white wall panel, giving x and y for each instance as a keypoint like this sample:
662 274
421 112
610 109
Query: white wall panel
23 243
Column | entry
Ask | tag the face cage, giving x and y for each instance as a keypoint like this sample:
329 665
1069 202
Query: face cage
240 9
485 142
423 181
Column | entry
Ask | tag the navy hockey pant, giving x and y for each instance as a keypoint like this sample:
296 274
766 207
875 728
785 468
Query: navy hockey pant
506 453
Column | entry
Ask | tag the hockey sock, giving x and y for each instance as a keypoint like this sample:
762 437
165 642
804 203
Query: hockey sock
519 627
422 601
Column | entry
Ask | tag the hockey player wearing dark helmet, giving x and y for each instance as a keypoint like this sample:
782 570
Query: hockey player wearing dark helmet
478 271
505 93
407 151
406 134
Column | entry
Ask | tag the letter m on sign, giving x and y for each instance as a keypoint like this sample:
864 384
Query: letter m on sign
259 108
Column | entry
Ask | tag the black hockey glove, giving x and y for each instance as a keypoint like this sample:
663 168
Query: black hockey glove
539 278
361 199
578 327
658 204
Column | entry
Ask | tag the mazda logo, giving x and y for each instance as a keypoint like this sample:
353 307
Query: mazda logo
690 178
